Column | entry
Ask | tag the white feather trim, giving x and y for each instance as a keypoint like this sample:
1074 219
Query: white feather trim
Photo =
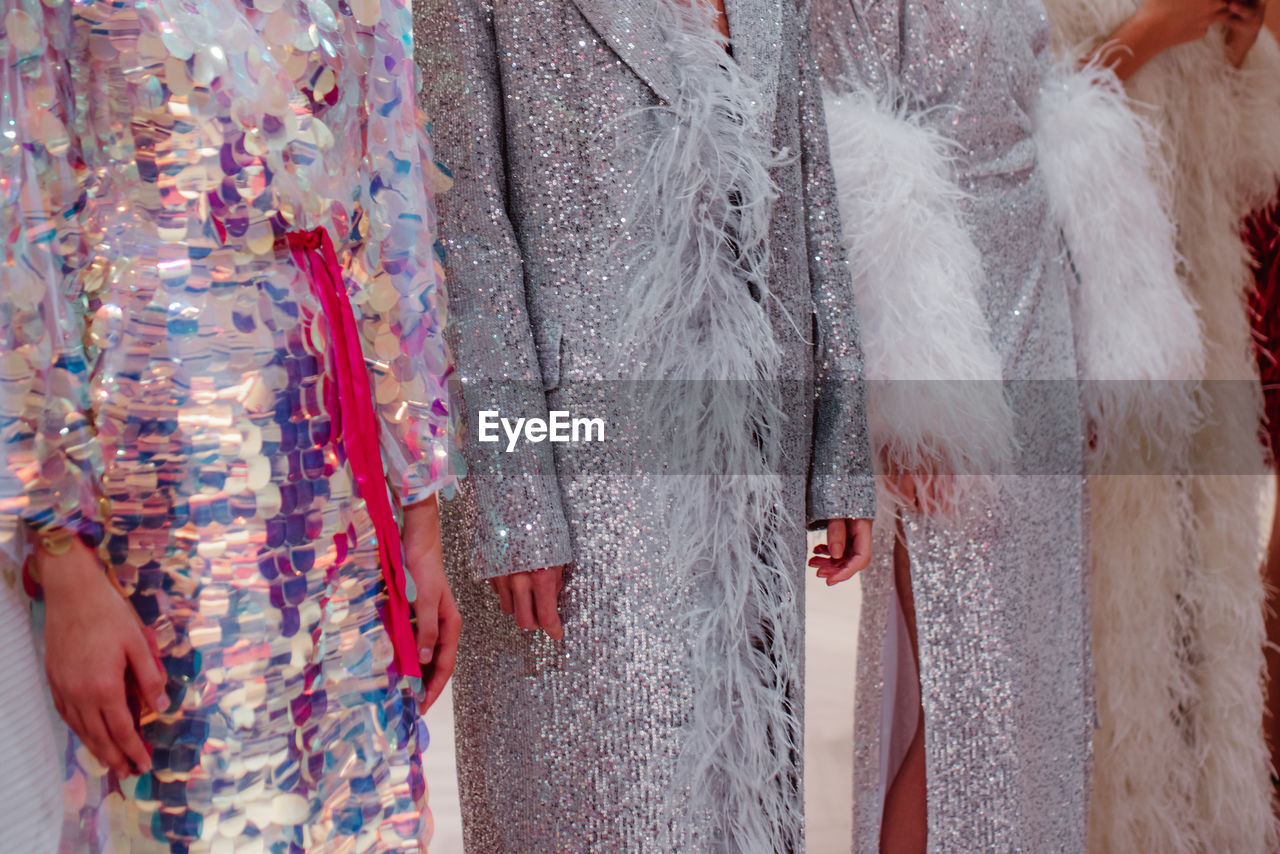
1139 338
1257 88
936 401
703 214
1144 788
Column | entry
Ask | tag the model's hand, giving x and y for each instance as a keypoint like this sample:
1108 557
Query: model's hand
925 485
533 597
1157 26
1243 21
435 612
94 647
846 552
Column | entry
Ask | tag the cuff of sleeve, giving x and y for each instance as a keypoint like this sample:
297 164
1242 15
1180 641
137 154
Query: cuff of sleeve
419 483
72 504
521 526
418 474
841 497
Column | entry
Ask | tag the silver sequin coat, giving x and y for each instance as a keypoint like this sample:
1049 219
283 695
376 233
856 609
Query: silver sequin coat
542 110
999 586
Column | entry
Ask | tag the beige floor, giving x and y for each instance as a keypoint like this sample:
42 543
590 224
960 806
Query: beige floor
832 618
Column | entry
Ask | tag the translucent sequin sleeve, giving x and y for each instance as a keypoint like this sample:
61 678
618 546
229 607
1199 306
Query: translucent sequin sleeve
841 482
523 525
392 252
50 475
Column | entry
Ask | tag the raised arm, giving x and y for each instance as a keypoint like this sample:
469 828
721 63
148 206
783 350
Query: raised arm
1162 24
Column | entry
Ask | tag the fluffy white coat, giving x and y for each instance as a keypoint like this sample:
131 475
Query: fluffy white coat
1181 765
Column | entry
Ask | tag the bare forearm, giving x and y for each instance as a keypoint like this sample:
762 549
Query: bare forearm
422 526
1135 43
1157 26
420 512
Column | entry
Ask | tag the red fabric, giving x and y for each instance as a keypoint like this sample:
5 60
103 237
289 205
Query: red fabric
1263 233
356 423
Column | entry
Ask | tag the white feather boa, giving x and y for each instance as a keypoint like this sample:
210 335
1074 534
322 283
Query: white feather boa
935 399
1139 338
1180 761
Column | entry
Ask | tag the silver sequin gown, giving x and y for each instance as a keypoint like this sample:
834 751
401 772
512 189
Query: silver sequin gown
1000 595
573 746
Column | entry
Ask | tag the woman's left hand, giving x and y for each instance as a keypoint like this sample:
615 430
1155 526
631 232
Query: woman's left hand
434 609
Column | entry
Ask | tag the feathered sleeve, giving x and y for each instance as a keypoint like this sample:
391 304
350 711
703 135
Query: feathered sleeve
1138 334
936 399
51 471
521 524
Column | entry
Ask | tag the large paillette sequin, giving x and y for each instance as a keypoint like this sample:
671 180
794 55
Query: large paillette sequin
170 148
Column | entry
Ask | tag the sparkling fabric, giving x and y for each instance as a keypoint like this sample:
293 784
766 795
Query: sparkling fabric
166 151
49 477
572 746
1000 592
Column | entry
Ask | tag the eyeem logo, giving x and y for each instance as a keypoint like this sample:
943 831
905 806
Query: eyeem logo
561 428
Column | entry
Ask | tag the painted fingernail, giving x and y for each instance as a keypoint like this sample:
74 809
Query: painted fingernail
424 655
161 703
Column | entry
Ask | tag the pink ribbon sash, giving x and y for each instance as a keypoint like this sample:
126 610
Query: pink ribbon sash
357 424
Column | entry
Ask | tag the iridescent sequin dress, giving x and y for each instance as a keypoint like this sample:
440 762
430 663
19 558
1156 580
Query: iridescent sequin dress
46 480
168 151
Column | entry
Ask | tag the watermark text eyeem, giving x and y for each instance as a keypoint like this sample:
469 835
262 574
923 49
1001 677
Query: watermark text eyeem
558 428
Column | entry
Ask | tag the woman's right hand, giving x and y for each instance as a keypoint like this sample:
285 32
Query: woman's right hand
93 639
1243 21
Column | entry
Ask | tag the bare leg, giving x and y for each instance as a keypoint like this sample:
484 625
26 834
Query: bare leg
905 826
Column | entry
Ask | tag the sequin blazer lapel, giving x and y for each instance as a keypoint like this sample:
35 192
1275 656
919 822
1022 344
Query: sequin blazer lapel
632 32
